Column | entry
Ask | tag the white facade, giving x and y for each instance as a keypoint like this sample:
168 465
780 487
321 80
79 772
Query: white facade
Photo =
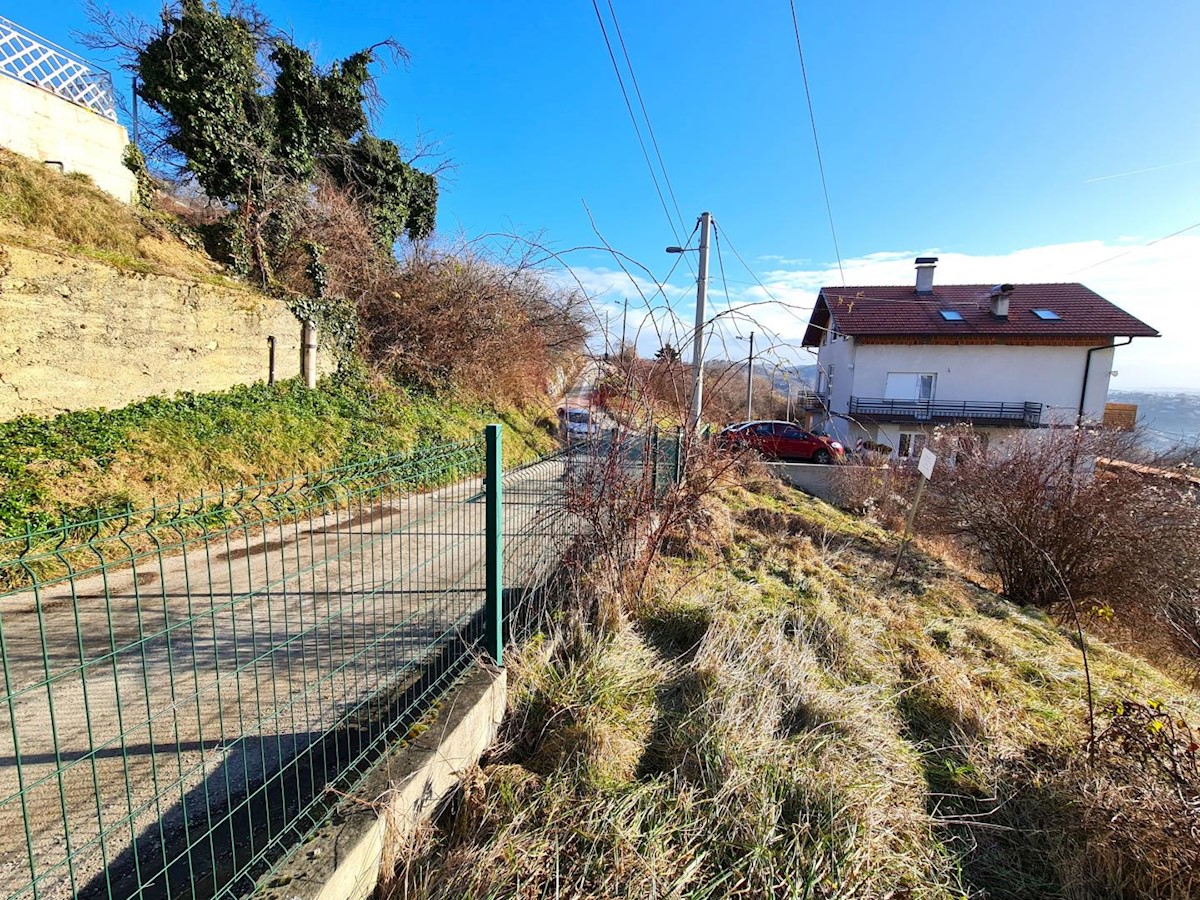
41 125
953 373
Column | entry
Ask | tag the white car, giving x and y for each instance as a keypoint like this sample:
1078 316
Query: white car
578 422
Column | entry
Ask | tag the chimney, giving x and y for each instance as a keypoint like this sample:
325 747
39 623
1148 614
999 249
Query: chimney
1000 295
925 266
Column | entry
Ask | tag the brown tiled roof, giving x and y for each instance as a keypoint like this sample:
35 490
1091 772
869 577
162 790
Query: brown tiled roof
900 310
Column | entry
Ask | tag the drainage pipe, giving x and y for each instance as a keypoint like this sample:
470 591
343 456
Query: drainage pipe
1087 368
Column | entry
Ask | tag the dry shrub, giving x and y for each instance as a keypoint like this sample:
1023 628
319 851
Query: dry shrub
874 488
459 316
664 385
1055 528
1123 824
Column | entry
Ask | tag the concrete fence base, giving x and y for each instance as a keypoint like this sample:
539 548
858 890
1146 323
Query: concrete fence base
343 861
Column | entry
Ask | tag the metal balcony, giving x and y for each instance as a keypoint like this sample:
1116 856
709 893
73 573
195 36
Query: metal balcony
811 400
975 412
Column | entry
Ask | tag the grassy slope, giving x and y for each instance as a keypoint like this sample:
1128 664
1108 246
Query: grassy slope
45 210
779 719
160 447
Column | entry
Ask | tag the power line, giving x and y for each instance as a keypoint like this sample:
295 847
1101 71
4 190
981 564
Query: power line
1142 247
816 141
645 114
633 118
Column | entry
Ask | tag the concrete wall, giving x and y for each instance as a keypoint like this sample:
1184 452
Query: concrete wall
76 334
811 478
45 127
345 859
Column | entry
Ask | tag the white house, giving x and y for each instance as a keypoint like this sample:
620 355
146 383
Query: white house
895 361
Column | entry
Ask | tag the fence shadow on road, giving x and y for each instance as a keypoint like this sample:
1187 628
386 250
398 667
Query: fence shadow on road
269 791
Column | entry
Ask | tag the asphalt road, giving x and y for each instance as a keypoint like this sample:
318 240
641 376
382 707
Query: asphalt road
143 702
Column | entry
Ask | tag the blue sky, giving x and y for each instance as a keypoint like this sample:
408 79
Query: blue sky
983 132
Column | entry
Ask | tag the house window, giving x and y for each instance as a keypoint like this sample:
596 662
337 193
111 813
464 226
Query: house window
909 386
911 444
1048 315
824 380
952 315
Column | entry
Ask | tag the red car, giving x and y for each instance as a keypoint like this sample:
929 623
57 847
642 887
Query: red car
784 440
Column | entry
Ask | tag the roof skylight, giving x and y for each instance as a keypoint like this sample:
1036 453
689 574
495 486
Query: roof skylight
1047 314
951 315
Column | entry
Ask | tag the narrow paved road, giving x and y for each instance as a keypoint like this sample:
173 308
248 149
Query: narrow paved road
145 699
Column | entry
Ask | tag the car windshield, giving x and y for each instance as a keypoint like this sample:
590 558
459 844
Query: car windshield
579 417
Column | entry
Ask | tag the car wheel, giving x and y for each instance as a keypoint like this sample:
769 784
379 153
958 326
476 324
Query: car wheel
822 457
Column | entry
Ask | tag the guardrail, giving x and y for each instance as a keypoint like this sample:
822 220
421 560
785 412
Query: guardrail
31 58
977 412
190 690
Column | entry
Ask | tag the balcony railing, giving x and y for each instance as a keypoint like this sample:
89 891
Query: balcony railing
977 412
27 57
811 400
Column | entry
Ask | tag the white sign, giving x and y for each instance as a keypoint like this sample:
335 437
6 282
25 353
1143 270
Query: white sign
928 460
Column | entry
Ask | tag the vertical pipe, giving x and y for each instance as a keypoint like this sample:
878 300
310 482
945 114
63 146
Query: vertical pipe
494 589
270 359
308 354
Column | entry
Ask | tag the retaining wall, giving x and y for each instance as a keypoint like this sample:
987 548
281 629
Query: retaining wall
77 334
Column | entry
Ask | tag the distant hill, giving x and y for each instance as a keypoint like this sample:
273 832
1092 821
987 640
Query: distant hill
1166 418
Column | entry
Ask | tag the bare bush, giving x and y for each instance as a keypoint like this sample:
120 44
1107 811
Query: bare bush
1058 523
459 316
664 383
869 485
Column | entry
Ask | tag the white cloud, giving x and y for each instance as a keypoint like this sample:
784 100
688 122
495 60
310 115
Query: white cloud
1158 284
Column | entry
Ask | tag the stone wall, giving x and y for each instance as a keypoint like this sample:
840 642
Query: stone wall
77 334
45 127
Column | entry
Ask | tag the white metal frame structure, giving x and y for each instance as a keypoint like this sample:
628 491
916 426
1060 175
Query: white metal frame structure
27 57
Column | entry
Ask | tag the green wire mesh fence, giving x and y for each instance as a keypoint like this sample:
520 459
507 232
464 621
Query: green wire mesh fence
189 689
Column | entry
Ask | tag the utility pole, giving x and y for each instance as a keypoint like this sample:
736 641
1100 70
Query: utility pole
624 319
606 315
698 336
750 381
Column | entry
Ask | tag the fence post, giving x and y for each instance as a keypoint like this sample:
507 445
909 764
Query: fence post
494 514
654 458
678 454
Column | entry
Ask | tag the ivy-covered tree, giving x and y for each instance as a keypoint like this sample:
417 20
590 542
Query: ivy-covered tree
398 197
256 121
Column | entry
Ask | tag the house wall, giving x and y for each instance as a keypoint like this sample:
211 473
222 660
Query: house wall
45 127
1051 376
836 354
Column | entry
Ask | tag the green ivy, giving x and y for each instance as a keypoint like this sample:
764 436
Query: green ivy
336 317
350 417
133 159
260 150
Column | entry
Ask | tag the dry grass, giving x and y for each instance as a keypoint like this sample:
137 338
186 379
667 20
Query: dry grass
773 718
46 210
